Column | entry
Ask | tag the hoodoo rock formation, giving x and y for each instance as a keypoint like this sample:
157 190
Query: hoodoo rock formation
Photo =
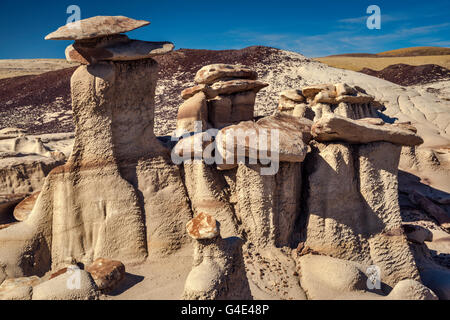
353 207
350 209
305 202
340 99
112 198
225 95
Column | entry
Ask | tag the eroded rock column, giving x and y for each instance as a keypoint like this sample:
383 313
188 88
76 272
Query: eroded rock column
352 202
113 198
120 177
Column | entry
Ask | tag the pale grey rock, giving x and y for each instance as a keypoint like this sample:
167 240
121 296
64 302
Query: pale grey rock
325 277
293 94
192 147
75 285
18 288
209 192
411 290
343 89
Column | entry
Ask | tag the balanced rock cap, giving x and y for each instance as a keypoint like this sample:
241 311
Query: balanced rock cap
202 227
311 91
239 85
95 27
294 95
343 89
214 72
333 127
294 134
224 88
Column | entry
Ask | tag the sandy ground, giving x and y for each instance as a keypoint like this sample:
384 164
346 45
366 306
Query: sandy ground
157 279
163 278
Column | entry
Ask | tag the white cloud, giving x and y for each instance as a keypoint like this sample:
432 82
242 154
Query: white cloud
363 19
341 41
354 20
440 43
426 29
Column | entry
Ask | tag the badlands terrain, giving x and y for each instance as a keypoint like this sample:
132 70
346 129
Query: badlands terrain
45 105
86 178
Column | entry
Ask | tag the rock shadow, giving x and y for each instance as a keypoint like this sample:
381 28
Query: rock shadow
386 118
128 282
408 183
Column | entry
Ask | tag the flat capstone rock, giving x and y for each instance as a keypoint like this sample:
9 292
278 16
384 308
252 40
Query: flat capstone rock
96 27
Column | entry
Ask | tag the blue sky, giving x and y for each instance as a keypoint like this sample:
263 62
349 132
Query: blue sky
313 28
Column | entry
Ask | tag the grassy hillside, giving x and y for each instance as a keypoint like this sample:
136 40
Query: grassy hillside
414 56
379 63
416 51
24 67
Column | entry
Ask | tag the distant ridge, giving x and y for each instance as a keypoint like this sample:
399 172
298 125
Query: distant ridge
403 52
407 75
414 56
416 51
